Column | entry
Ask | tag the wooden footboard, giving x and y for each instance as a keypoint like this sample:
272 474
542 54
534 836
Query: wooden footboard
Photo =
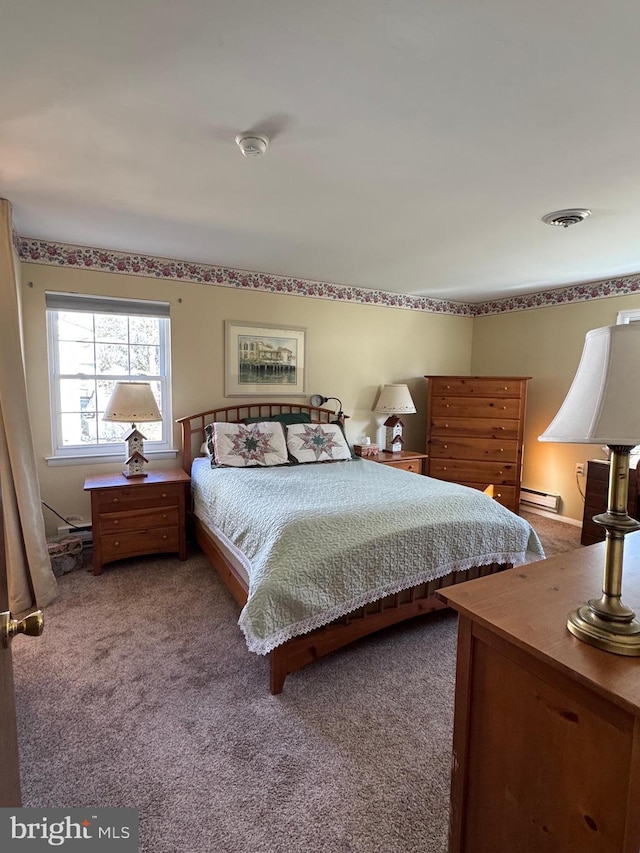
298 652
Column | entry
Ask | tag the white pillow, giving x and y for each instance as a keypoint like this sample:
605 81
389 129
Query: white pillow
317 443
249 445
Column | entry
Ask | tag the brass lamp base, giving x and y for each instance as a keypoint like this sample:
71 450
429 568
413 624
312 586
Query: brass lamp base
606 622
620 638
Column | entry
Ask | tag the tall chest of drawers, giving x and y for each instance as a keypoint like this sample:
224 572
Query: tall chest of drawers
475 428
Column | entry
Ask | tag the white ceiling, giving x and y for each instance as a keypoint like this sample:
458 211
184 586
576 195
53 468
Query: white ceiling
416 144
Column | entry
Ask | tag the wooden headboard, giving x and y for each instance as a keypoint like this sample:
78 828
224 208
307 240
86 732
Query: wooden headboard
192 426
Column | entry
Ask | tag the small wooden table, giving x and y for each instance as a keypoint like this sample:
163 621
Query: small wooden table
546 747
132 517
408 460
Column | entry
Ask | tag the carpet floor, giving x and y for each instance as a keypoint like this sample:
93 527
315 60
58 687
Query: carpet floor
141 693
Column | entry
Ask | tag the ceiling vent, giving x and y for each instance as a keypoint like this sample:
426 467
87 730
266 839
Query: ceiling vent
252 144
565 218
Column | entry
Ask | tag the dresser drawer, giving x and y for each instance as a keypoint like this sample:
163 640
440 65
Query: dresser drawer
483 473
128 498
113 522
505 495
473 448
476 427
132 543
462 386
474 407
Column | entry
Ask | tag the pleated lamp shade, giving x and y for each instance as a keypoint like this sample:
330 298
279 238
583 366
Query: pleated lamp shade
602 405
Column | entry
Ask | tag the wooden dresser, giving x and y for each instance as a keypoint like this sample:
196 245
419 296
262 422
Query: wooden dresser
595 499
546 742
475 428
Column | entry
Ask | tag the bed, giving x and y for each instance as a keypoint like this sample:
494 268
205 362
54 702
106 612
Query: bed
320 555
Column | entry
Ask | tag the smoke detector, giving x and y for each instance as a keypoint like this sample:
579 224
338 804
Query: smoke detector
252 144
565 218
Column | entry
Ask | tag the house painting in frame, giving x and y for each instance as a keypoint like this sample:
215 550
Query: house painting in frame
263 360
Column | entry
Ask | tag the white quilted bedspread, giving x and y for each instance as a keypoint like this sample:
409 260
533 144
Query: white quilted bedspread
318 541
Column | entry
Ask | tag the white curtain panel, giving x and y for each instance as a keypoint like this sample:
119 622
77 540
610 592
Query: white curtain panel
30 579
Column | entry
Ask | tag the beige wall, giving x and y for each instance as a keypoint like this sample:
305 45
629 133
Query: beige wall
546 344
351 350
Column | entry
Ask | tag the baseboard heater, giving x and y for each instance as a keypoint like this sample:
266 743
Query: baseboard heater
541 500
83 531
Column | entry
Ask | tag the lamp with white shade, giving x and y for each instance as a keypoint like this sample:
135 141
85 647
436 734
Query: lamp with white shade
133 402
394 400
602 407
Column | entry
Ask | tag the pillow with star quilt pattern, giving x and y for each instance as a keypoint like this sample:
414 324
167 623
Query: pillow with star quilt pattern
248 445
317 443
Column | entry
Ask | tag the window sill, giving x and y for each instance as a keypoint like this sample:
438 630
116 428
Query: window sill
103 458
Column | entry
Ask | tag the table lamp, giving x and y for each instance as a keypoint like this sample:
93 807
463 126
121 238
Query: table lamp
394 400
133 402
603 407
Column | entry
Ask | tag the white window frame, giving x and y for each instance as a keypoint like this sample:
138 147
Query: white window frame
630 316
86 453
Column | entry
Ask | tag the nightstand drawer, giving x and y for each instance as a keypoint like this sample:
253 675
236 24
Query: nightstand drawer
132 543
113 522
136 497
414 465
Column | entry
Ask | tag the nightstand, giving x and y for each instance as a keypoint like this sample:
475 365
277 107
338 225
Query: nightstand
132 517
408 460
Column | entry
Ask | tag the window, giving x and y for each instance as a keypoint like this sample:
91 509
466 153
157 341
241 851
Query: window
632 316
93 343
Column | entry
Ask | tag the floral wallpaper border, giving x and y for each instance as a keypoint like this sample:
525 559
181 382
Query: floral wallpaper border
81 257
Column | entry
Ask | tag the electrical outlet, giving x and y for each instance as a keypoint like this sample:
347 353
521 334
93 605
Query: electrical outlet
579 469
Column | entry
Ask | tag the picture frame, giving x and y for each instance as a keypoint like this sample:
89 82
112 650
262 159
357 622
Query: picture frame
264 360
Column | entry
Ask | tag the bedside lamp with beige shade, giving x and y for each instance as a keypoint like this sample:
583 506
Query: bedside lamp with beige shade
394 400
133 402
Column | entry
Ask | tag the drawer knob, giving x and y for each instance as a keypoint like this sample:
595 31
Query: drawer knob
502 450
444 467
115 500
500 472
446 426
164 536
116 523
116 544
445 446
164 514
164 494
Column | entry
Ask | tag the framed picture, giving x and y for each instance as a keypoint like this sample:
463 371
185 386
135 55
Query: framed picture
265 361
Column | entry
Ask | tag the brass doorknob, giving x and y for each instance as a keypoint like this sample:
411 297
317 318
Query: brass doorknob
33 625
